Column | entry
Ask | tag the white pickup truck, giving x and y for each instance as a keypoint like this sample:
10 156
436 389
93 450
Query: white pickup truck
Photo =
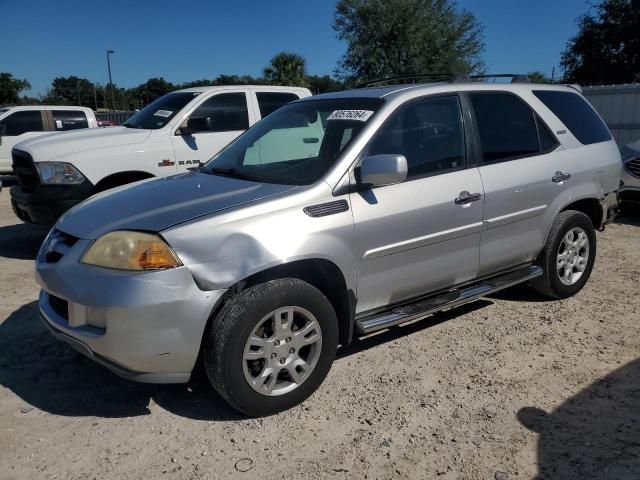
177 131
18 124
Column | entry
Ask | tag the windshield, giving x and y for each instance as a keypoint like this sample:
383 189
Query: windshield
296 144
160 112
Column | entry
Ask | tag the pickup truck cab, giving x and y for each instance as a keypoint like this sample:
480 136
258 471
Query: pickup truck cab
22 123
339 215
177 131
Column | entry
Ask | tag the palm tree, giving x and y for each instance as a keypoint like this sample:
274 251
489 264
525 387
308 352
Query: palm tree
286 69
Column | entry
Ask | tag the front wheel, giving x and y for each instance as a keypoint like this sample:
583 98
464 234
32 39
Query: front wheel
568 256
271 346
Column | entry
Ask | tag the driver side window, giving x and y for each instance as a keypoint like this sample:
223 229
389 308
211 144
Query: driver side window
428 133
225 112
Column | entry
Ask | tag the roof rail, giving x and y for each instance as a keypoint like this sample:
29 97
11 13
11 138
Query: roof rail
447 77
413 76
515 77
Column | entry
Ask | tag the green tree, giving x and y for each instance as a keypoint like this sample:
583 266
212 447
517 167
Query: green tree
152 89
323 84
10 88
71 90
538 77
606 48
402 37
286 69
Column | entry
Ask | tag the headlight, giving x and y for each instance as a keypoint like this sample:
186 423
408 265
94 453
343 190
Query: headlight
129 250
59 173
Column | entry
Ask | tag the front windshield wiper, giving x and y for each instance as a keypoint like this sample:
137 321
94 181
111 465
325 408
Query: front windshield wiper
131 125
229 172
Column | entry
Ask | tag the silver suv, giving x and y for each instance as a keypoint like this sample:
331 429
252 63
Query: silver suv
337 215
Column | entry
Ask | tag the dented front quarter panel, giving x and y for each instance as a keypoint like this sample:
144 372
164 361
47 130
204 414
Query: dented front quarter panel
224 248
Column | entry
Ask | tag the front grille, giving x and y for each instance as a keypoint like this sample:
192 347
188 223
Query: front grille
633 167
57 246
25 170
60 306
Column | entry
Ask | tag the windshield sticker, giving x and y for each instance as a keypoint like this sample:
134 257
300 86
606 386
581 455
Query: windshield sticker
361 115
163 113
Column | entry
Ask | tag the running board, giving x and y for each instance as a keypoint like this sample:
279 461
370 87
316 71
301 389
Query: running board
443 301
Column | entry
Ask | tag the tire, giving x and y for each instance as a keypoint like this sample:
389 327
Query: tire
226 347
555 282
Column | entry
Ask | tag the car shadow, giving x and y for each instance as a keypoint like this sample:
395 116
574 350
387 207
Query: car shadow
21 241
51 376
521 293
594 434
630 215
360 344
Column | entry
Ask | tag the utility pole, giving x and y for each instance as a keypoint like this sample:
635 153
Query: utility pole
113 101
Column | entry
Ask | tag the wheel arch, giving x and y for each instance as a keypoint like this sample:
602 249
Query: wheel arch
590 206
121 178
321 273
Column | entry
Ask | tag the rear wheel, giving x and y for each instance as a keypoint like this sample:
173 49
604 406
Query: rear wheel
568 256
271 346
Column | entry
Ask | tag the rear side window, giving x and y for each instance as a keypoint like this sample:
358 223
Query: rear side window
269 102
69 119
225 112
506 125
21 122
577 115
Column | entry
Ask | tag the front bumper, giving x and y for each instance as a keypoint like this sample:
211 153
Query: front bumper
145 326
44 204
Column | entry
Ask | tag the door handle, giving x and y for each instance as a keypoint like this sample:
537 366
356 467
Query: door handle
560 177
465 198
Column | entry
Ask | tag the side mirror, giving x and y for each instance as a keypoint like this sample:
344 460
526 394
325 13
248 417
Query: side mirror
387 169
195 125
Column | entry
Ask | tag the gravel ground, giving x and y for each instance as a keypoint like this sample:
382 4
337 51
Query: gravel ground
512 386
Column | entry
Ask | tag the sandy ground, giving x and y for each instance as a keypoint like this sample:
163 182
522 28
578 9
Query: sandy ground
508 387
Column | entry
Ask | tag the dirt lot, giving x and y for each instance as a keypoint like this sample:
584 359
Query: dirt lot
508 387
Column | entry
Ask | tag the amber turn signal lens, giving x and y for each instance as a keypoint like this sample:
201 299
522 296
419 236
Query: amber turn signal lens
157 256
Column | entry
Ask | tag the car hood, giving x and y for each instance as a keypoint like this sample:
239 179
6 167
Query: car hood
159 203
52 146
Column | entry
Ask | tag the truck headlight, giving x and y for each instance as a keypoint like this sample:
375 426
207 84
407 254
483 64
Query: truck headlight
130 250
59 173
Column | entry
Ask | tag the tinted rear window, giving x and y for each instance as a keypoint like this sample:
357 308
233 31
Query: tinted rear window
506 126
69 119
269 102
578 116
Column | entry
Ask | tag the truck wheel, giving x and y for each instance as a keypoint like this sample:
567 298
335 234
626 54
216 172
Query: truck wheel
271 346
568 256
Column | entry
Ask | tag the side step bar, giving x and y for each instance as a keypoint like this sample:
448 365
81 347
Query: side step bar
443 301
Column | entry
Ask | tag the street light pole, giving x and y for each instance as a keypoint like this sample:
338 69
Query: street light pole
113 101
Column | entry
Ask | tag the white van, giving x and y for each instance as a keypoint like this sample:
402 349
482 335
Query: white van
180 130
21 123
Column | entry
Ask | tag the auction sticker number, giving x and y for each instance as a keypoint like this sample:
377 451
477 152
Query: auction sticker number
360 115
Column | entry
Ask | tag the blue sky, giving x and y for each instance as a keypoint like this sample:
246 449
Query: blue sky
196 39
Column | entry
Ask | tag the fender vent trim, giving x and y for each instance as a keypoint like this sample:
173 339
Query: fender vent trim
329 208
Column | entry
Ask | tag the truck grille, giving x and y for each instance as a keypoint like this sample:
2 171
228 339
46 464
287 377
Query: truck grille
57 246
633 167
25 170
